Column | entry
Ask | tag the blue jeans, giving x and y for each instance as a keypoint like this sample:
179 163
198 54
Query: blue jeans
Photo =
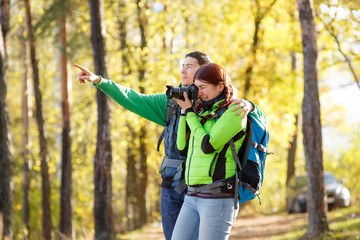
171 203
205 219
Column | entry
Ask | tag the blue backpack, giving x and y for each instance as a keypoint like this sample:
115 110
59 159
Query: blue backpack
250 161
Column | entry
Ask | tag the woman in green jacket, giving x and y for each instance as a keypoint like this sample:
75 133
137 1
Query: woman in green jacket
203 134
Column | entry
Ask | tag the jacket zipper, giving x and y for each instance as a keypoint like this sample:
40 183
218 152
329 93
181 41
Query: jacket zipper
192 151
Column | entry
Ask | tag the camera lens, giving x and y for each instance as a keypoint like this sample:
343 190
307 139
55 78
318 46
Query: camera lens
177 93
191 90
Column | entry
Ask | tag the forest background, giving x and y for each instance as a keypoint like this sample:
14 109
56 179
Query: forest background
257 42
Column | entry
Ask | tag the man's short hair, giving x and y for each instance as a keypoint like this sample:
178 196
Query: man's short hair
201 57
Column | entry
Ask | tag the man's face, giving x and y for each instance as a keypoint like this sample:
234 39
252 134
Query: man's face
190 66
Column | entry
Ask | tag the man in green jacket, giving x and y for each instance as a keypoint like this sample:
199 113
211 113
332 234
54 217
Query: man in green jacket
153 107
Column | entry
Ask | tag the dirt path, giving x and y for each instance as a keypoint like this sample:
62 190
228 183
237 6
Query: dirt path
260 227
264 227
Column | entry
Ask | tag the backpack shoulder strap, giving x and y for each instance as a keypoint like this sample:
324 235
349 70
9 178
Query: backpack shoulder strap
170 107
245 147
237 165
248 141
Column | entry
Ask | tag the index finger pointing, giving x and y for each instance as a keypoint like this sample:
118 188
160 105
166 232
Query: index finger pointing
81 67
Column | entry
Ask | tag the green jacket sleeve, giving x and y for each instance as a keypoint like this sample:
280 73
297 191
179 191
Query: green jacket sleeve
151 107
225 128
181 135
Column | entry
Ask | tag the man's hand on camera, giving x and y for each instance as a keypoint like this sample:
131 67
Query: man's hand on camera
241 103
87 75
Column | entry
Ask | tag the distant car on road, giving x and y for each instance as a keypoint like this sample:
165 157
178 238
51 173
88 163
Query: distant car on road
296 193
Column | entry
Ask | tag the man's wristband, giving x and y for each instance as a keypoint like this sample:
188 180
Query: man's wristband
184 113
190 109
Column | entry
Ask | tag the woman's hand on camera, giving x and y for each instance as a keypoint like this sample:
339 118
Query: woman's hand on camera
87 75
184 104
241 103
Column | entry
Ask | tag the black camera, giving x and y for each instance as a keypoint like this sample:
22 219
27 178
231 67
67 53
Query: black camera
191 90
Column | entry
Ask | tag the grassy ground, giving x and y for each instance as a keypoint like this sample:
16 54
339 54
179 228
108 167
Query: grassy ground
343 224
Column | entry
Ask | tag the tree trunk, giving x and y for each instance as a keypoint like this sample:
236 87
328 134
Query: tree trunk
66 170
142 6
124 48
252 61
26 143
131 181
292 152
6 157
46 216
293 142
261 12
131 177
103 156
5 19
143 176
317 207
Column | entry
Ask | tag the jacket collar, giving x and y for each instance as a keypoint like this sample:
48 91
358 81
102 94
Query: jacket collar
211 104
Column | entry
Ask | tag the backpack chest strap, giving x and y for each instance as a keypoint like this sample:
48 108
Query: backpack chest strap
169 162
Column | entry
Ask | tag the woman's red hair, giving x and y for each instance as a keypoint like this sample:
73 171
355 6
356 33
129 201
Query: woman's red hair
214 74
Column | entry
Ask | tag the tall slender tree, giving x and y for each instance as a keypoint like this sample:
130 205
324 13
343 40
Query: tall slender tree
142 7
292 151
6 157
66 170
26 142
46 214
5 18
131 173
131 180
311 126
260 14
103 155
294 137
